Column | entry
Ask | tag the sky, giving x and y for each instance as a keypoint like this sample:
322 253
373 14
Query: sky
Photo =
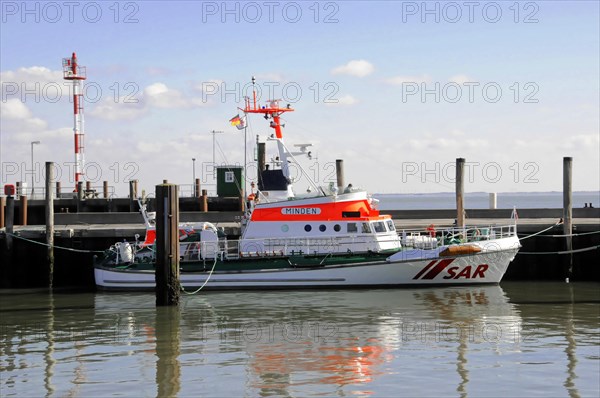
397 89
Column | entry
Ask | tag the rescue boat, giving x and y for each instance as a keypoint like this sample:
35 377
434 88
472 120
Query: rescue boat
321 239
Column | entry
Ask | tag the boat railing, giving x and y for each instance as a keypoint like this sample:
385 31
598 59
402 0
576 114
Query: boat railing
431 238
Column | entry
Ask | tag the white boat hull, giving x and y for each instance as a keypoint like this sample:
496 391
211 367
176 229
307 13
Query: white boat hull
486 267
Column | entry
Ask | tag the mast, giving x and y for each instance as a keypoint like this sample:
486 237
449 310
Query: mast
271 112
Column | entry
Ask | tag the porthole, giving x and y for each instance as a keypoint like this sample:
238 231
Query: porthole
337 228
285 228
322 228
307 228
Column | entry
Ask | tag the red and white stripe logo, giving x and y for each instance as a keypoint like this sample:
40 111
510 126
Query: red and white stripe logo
434 268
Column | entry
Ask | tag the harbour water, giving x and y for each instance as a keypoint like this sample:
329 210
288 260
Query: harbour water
480 200
517 339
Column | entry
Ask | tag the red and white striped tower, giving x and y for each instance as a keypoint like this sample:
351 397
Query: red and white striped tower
75 73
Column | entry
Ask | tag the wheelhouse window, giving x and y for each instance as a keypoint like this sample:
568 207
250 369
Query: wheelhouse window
351 228
350 214
366 228
391 225
379 226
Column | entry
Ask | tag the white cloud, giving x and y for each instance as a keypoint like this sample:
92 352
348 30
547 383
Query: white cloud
270 77
461 79
160 96
358 68
32 84
398 80
109 109
15 115
346 100
157 95
32 74
583 141
14 109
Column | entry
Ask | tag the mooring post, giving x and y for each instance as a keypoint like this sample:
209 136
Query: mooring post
58 189
339 174
79 196
50 220
2 206
241 202
460 192
204 201
167 245
10 220
568 210
23 209
493 200
197 188
261 162
132 195
105 189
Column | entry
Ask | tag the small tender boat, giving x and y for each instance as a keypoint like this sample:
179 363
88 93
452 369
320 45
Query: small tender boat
318 240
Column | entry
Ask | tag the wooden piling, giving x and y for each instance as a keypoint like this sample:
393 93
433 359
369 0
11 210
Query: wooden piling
261 163
19 190
58 189
167 245
2 206
339 174
241 201
23 210
133 187
9 218
568 211
493 200
204 201
50 220
88 188
460 192
197 188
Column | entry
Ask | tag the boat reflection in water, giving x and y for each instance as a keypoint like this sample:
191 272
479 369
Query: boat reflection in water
323 342
465 340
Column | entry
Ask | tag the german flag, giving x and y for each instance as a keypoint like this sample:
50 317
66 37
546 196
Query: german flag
238 122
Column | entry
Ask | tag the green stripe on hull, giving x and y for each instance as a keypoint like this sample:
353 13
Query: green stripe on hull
264 263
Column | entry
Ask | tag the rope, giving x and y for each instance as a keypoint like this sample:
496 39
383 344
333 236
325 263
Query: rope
541 232
585 249
567 235
56 247
205 282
